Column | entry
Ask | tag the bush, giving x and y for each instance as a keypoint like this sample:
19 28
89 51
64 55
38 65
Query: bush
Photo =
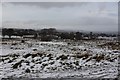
46 38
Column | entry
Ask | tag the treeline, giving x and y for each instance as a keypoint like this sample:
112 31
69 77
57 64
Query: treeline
51 33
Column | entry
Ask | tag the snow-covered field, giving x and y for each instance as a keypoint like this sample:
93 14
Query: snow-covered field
56 59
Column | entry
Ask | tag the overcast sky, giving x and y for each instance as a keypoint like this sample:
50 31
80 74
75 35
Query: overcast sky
87 16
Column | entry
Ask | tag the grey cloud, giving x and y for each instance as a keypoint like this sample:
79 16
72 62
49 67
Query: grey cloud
99 21
67 15
50 4
102 6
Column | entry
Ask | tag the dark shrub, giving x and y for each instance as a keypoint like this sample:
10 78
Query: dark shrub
27 55
62 57
17 64
27 70
22 41
84 56
98 58
46 38
10 61
34 55
34 49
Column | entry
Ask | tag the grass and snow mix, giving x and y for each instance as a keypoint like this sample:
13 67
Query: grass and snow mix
84 59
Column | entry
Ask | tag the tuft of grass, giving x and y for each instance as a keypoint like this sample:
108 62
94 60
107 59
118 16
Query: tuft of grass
99 57
27 55
83 55
15 66
111 45
62 57
27 70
